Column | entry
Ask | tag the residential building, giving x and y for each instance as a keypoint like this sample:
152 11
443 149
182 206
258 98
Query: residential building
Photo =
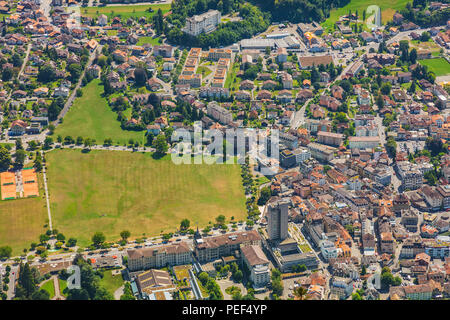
258 264
213 248
277 219
321 152
363 142
328 250
341 287
330 138
158 257
218 113
203 23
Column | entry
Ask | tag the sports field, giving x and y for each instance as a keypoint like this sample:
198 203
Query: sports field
112 191
388 8
91 117
125 11
439 66
22 221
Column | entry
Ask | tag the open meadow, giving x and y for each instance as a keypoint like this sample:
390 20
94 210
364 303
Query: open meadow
91 117
112 191
125 11
388 8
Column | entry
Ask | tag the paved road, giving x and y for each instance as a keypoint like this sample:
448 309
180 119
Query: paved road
12 282
58 295
50 225
110 148
25 61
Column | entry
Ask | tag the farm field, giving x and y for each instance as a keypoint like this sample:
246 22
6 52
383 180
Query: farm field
112 191
388 9
125 11
91 117
22 221
439 66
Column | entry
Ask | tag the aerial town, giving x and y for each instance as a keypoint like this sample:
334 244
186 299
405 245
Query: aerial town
92 92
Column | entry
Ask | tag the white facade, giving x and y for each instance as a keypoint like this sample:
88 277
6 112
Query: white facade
328 250
202 23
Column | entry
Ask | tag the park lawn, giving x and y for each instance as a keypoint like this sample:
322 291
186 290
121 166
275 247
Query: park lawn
262 180
232 81
22 220
49 287
125 11
111 283
150 40
62 286
388 8
204 71
8 146
439 66
112 191
91 117
111 32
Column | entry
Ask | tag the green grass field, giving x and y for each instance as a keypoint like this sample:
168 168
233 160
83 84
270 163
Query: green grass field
111 32
232 81
22 221
62 287
439 66
125 11
151 40
112 191
204 71
91 117
388 8
49 287
110 282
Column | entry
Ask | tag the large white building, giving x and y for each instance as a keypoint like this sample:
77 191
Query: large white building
410 175
328 250
203 23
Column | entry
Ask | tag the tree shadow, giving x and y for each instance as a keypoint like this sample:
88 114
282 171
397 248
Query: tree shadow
157 155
